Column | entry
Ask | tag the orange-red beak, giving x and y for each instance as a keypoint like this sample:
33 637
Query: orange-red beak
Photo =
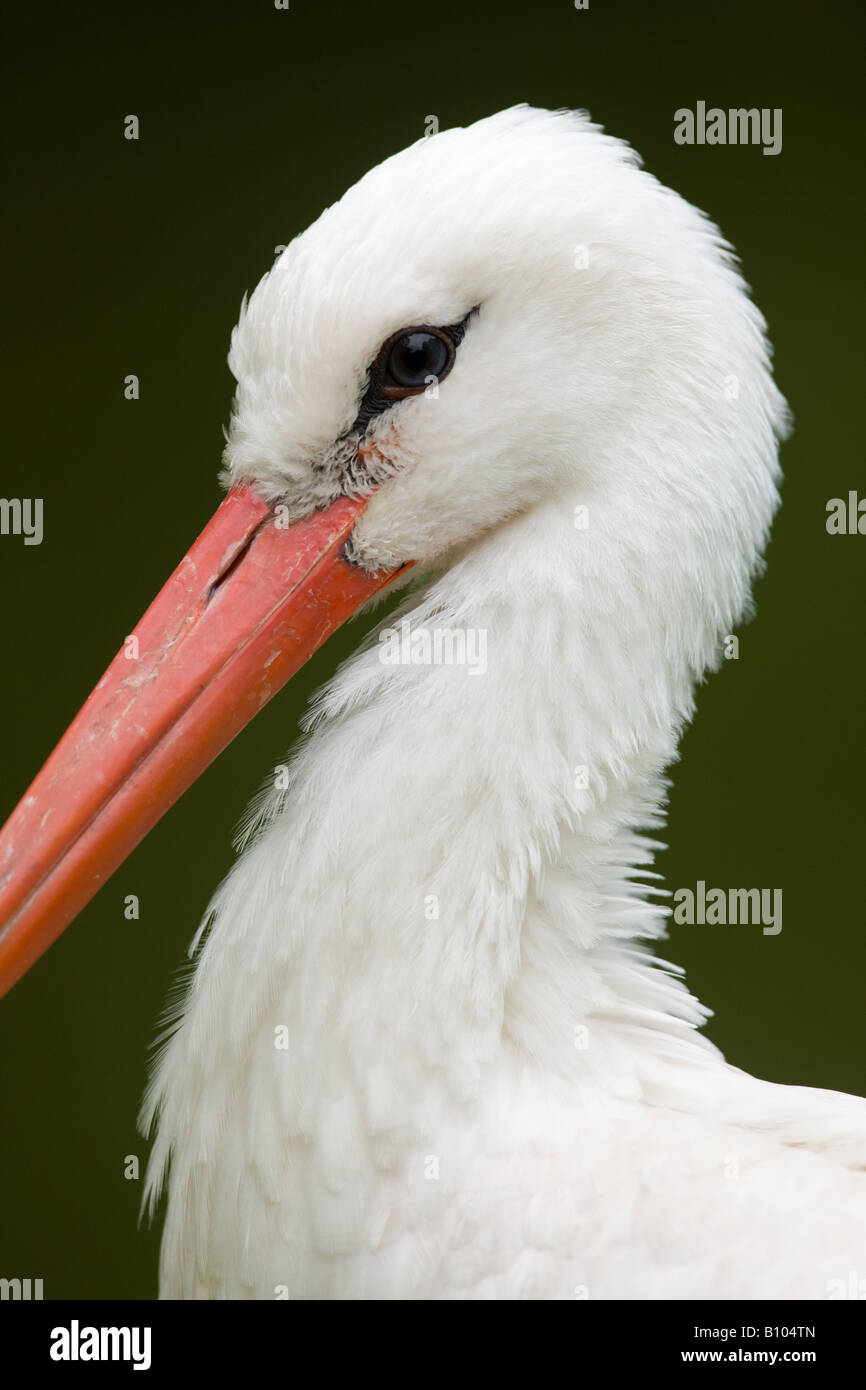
246 607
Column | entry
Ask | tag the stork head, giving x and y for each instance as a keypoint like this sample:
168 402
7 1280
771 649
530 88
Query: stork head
501 314
499 317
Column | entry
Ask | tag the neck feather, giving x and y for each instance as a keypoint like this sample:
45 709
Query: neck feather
465 845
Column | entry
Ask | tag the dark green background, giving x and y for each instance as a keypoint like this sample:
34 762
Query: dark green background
132 257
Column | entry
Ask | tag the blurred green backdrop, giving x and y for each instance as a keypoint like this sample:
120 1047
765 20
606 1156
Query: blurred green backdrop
132 258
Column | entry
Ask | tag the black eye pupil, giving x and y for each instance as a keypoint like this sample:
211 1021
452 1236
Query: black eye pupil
416 356
406 364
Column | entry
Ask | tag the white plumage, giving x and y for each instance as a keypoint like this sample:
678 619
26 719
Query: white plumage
491 1087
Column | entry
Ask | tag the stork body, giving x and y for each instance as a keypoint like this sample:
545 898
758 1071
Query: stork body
427 1050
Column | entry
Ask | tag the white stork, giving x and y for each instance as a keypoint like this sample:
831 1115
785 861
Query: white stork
427 1050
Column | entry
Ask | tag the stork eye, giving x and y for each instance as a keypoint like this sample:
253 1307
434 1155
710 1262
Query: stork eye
413 356
405 364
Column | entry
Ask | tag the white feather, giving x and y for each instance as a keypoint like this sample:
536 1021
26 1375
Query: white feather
432 1129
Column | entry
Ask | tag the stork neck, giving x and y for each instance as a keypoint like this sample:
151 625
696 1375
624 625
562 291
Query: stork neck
488 817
